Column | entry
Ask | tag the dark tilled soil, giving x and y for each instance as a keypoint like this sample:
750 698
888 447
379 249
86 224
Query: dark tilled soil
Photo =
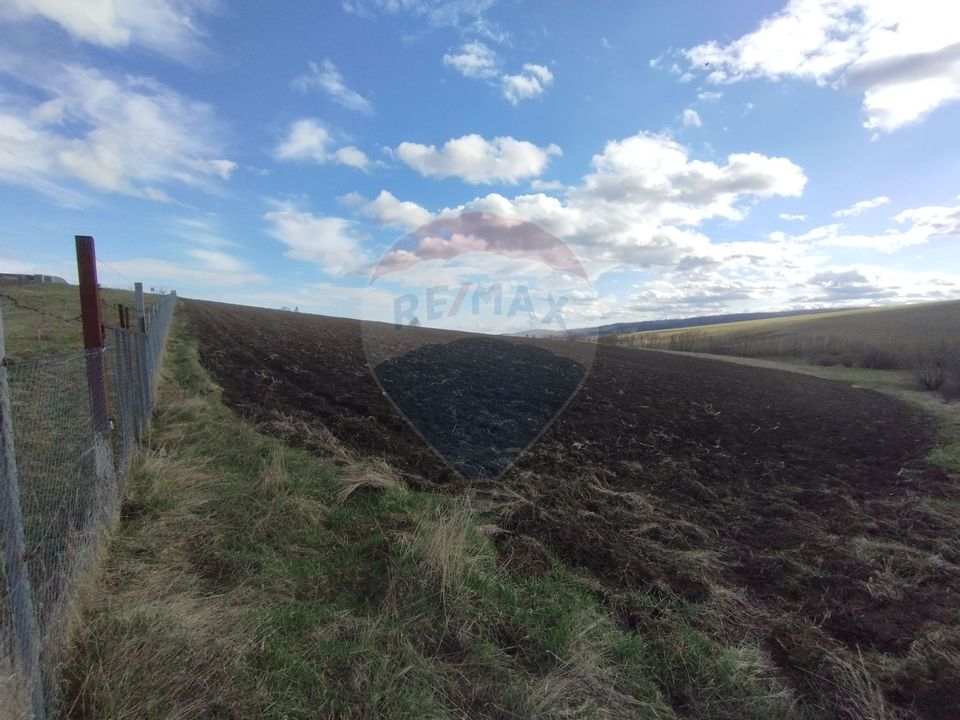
479 401
794 513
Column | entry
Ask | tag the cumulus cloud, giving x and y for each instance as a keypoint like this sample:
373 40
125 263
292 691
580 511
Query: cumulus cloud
477 160
332 243
170 27
691 118
903 57
643 199
652 176
126 135
475 60
328 79
387 211
861 206
792 216
531 83
309 140
478 61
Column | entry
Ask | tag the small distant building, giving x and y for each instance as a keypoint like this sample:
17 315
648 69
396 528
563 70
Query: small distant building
30 279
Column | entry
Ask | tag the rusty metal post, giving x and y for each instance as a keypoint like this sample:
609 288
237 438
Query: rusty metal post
92 331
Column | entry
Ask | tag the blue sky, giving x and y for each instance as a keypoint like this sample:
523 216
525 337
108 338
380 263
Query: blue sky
697 158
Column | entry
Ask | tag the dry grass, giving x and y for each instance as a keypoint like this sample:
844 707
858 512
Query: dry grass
375 475
445 545
13 692
859 696
584 684
158 639
273 477
313 436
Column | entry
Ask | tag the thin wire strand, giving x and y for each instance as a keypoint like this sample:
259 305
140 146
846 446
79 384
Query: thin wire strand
21 306
109 266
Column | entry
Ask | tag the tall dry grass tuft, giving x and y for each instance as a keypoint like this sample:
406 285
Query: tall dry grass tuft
859 696
313 436
445 547
583 684
273 476
376 475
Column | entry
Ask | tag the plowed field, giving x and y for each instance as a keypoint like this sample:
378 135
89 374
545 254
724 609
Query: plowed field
782 510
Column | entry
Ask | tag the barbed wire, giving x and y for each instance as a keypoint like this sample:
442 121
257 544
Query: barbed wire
22 306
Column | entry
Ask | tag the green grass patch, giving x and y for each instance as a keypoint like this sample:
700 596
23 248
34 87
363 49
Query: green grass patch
45 319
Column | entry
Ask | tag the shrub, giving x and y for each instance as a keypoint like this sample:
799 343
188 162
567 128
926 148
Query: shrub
825 360
951 389
930 375
877 359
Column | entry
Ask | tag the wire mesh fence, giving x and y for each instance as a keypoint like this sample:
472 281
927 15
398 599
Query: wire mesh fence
70 425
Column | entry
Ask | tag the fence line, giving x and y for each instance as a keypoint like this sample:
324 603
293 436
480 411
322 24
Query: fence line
62 471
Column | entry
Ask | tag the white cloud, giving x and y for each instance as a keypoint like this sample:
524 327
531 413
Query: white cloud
546 185
641 203
903 56
922 225
16 265
476 160
709 95
691 118
329 242
115 135
308 140
170 27
204 269
475 60
531 83
387 211
352 157
327 78
652 175
478 61
438 13
218 261
792 216
861 206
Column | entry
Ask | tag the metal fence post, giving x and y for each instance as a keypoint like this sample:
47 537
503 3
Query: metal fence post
146 369
18 580
90 312
92 331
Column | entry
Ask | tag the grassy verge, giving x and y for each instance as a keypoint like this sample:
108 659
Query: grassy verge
900 384
249 579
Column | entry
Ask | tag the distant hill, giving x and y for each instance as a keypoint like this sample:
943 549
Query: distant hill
872 337
671 324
